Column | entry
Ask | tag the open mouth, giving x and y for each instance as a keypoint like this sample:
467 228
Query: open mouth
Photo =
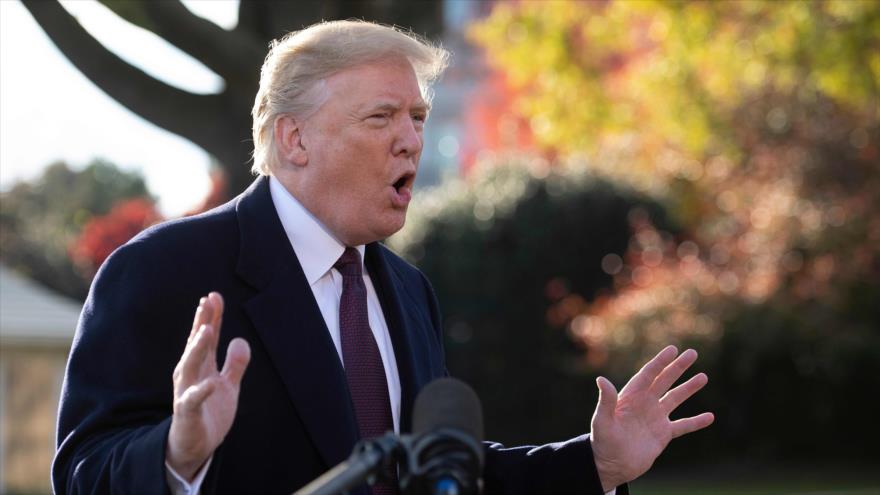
402 190
405 181
400 183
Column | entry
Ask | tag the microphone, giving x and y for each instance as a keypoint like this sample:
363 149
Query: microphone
444 454
364 465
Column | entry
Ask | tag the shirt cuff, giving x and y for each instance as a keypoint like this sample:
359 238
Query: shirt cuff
180 486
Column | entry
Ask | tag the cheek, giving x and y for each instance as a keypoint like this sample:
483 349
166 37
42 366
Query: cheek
356 168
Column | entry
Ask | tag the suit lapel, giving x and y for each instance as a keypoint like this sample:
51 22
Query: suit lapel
290 325
403 323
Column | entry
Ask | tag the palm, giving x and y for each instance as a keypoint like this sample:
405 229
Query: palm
219 411
632 428
206 426
205 399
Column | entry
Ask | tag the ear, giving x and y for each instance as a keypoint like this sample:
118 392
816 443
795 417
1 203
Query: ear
288 141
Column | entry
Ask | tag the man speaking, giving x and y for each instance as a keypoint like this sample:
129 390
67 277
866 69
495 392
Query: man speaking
323 335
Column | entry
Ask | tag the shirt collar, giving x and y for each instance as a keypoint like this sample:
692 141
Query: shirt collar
315 247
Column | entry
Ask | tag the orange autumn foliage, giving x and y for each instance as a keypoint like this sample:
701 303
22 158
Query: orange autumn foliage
102 234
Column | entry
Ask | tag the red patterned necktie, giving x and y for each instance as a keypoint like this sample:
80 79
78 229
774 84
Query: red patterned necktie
360 355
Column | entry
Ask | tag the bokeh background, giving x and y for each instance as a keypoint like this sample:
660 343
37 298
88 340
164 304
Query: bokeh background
600 179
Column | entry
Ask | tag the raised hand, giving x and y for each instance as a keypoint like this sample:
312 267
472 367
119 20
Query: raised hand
205 399
631 429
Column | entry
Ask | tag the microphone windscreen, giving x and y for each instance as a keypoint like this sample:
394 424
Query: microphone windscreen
448 403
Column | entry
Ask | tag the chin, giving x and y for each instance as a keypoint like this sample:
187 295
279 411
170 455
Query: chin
391 227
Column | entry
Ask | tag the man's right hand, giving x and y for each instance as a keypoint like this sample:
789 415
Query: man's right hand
205 399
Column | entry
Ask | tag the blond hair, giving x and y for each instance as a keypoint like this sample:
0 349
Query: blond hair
298 63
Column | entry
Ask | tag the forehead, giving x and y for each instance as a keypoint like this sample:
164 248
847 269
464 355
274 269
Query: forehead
393 81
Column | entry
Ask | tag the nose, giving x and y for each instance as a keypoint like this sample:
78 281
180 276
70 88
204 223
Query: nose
409 139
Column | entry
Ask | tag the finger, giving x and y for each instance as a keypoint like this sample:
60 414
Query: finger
607 398
238 355
683 392
198 320
192 363
218 305
645 377
689 425
194 396
673 372
215 304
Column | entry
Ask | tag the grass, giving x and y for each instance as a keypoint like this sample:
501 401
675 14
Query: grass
763 480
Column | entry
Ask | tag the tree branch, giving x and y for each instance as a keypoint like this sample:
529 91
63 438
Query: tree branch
178 111
271 19
234 55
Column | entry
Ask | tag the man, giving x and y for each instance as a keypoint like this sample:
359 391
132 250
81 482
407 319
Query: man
337 335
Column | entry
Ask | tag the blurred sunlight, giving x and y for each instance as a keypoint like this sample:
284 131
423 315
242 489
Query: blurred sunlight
52 112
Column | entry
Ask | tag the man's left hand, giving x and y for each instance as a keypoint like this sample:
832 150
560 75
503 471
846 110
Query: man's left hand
632 428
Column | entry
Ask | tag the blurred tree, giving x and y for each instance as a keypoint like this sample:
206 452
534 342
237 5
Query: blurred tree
102 234
40 220
492 124
675 73
756 125
219 123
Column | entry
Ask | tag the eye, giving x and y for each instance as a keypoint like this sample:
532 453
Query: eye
420 117
379 117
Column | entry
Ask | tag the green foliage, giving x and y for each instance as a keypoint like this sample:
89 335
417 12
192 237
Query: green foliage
500 250
672 72
39 220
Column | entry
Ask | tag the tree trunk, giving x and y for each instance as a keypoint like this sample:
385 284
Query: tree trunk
220 123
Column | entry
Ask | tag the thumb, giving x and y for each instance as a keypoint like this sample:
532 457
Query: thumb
607 398
238 355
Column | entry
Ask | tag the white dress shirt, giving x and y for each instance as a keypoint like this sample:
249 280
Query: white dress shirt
317 251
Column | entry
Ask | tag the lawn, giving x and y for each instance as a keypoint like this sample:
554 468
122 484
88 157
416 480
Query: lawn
792 480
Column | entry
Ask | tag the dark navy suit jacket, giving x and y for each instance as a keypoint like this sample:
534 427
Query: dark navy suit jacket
295 419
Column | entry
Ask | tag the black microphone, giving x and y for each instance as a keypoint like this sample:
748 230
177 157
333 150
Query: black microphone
366 464
444 454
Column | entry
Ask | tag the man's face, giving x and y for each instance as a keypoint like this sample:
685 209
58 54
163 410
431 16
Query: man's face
363 146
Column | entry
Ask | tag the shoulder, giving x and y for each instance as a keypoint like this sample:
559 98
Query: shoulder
176 247
213 230
218 225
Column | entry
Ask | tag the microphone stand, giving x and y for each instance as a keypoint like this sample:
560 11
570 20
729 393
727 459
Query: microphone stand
443 457
364 465
432 463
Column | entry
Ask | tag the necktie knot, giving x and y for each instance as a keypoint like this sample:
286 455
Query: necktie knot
349 264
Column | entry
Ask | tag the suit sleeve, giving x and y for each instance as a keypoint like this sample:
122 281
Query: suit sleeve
562 467
116 401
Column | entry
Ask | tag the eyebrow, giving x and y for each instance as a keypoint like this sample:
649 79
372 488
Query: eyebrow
393 107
